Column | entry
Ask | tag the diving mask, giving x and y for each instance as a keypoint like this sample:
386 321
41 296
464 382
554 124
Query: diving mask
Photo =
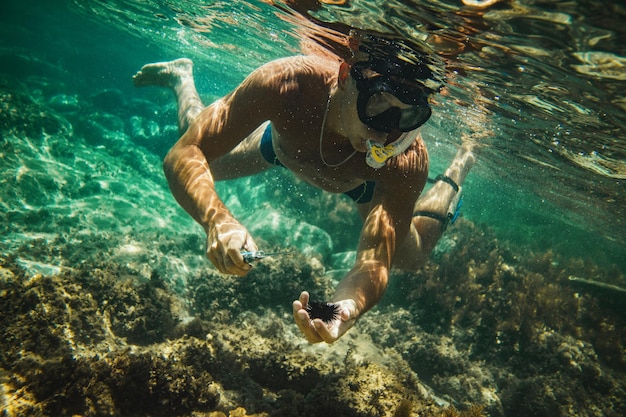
372 88
377 155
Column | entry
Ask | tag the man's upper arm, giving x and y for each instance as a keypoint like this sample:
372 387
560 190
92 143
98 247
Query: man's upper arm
228 121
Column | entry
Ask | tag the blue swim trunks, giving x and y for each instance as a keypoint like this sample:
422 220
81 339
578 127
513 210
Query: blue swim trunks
361 194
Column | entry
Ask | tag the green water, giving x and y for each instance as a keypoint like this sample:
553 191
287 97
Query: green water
89 163
109 306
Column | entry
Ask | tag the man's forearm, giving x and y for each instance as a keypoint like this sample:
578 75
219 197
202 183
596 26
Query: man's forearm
365 284
192 185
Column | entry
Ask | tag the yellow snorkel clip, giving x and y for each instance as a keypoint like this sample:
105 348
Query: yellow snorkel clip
377 155
380 154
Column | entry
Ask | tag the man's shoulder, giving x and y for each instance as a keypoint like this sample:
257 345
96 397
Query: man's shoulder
306 60
410 167
290 78
300 66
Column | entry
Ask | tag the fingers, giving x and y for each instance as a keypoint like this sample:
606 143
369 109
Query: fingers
230 262
225 252
234 258
304 298
346 314
324 331
302 319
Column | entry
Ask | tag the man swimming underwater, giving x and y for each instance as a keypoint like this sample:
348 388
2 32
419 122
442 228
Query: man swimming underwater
345 128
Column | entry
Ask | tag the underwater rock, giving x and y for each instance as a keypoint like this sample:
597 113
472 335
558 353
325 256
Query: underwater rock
35 268
149 109
6 275
483 332
102 129
151 135
64 103
273 284
444 245
144 129
21 116
74 344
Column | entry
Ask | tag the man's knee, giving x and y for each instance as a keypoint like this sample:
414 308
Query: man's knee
410 255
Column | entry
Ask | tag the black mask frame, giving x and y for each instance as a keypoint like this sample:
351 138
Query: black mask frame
394 118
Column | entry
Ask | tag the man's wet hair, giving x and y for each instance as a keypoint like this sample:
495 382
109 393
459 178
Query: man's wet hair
401 58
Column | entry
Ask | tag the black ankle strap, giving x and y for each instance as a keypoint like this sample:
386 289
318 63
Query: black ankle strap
448 217
447 180
442 219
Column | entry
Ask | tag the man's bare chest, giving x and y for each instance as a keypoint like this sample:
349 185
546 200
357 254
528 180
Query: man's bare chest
302 157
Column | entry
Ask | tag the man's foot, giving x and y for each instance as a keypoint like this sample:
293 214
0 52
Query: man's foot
164 74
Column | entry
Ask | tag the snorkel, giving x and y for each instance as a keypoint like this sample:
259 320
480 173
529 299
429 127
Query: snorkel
377 155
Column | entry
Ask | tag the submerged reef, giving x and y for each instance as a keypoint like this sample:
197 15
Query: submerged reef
504 323
484 330
105 342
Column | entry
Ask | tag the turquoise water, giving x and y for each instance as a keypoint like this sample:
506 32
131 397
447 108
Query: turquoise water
109 306
549 116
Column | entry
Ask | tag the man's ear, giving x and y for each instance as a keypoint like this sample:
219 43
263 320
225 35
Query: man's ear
344 73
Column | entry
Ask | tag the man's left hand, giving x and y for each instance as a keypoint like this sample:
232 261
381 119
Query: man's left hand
316 330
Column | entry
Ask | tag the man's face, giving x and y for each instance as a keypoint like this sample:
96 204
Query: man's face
378 145
358 132
383 101
388 102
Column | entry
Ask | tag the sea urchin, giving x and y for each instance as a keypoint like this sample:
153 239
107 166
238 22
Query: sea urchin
327 312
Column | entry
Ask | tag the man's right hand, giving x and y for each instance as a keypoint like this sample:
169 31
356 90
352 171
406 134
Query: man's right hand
225 242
